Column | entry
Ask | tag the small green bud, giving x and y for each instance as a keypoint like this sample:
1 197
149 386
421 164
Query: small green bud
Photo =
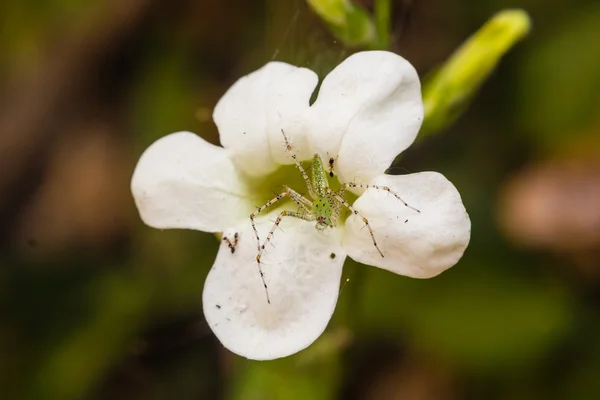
331 11
448 92
349 22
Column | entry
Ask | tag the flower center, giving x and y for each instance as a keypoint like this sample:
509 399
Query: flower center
268 187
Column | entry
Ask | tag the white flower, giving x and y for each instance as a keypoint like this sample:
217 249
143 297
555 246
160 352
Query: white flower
368 110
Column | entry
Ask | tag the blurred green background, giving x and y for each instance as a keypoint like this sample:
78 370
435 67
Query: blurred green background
95 305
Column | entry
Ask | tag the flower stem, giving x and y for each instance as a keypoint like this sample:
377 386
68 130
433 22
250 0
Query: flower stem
383 11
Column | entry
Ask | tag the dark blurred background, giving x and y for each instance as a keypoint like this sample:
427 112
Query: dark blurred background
95 305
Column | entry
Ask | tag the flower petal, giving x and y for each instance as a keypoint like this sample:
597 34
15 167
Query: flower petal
252 113
302 270
368 111
416 244
182 181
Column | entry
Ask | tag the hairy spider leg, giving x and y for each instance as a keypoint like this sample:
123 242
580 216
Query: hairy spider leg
289 149
302 201
341 201
355 212
306 217
377 187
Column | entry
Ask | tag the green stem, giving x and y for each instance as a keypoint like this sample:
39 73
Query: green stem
383 11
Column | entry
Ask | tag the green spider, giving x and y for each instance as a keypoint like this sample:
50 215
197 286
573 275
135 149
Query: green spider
325 208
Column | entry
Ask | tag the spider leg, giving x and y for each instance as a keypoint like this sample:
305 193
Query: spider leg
306 217
377 187
290 151
341 200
